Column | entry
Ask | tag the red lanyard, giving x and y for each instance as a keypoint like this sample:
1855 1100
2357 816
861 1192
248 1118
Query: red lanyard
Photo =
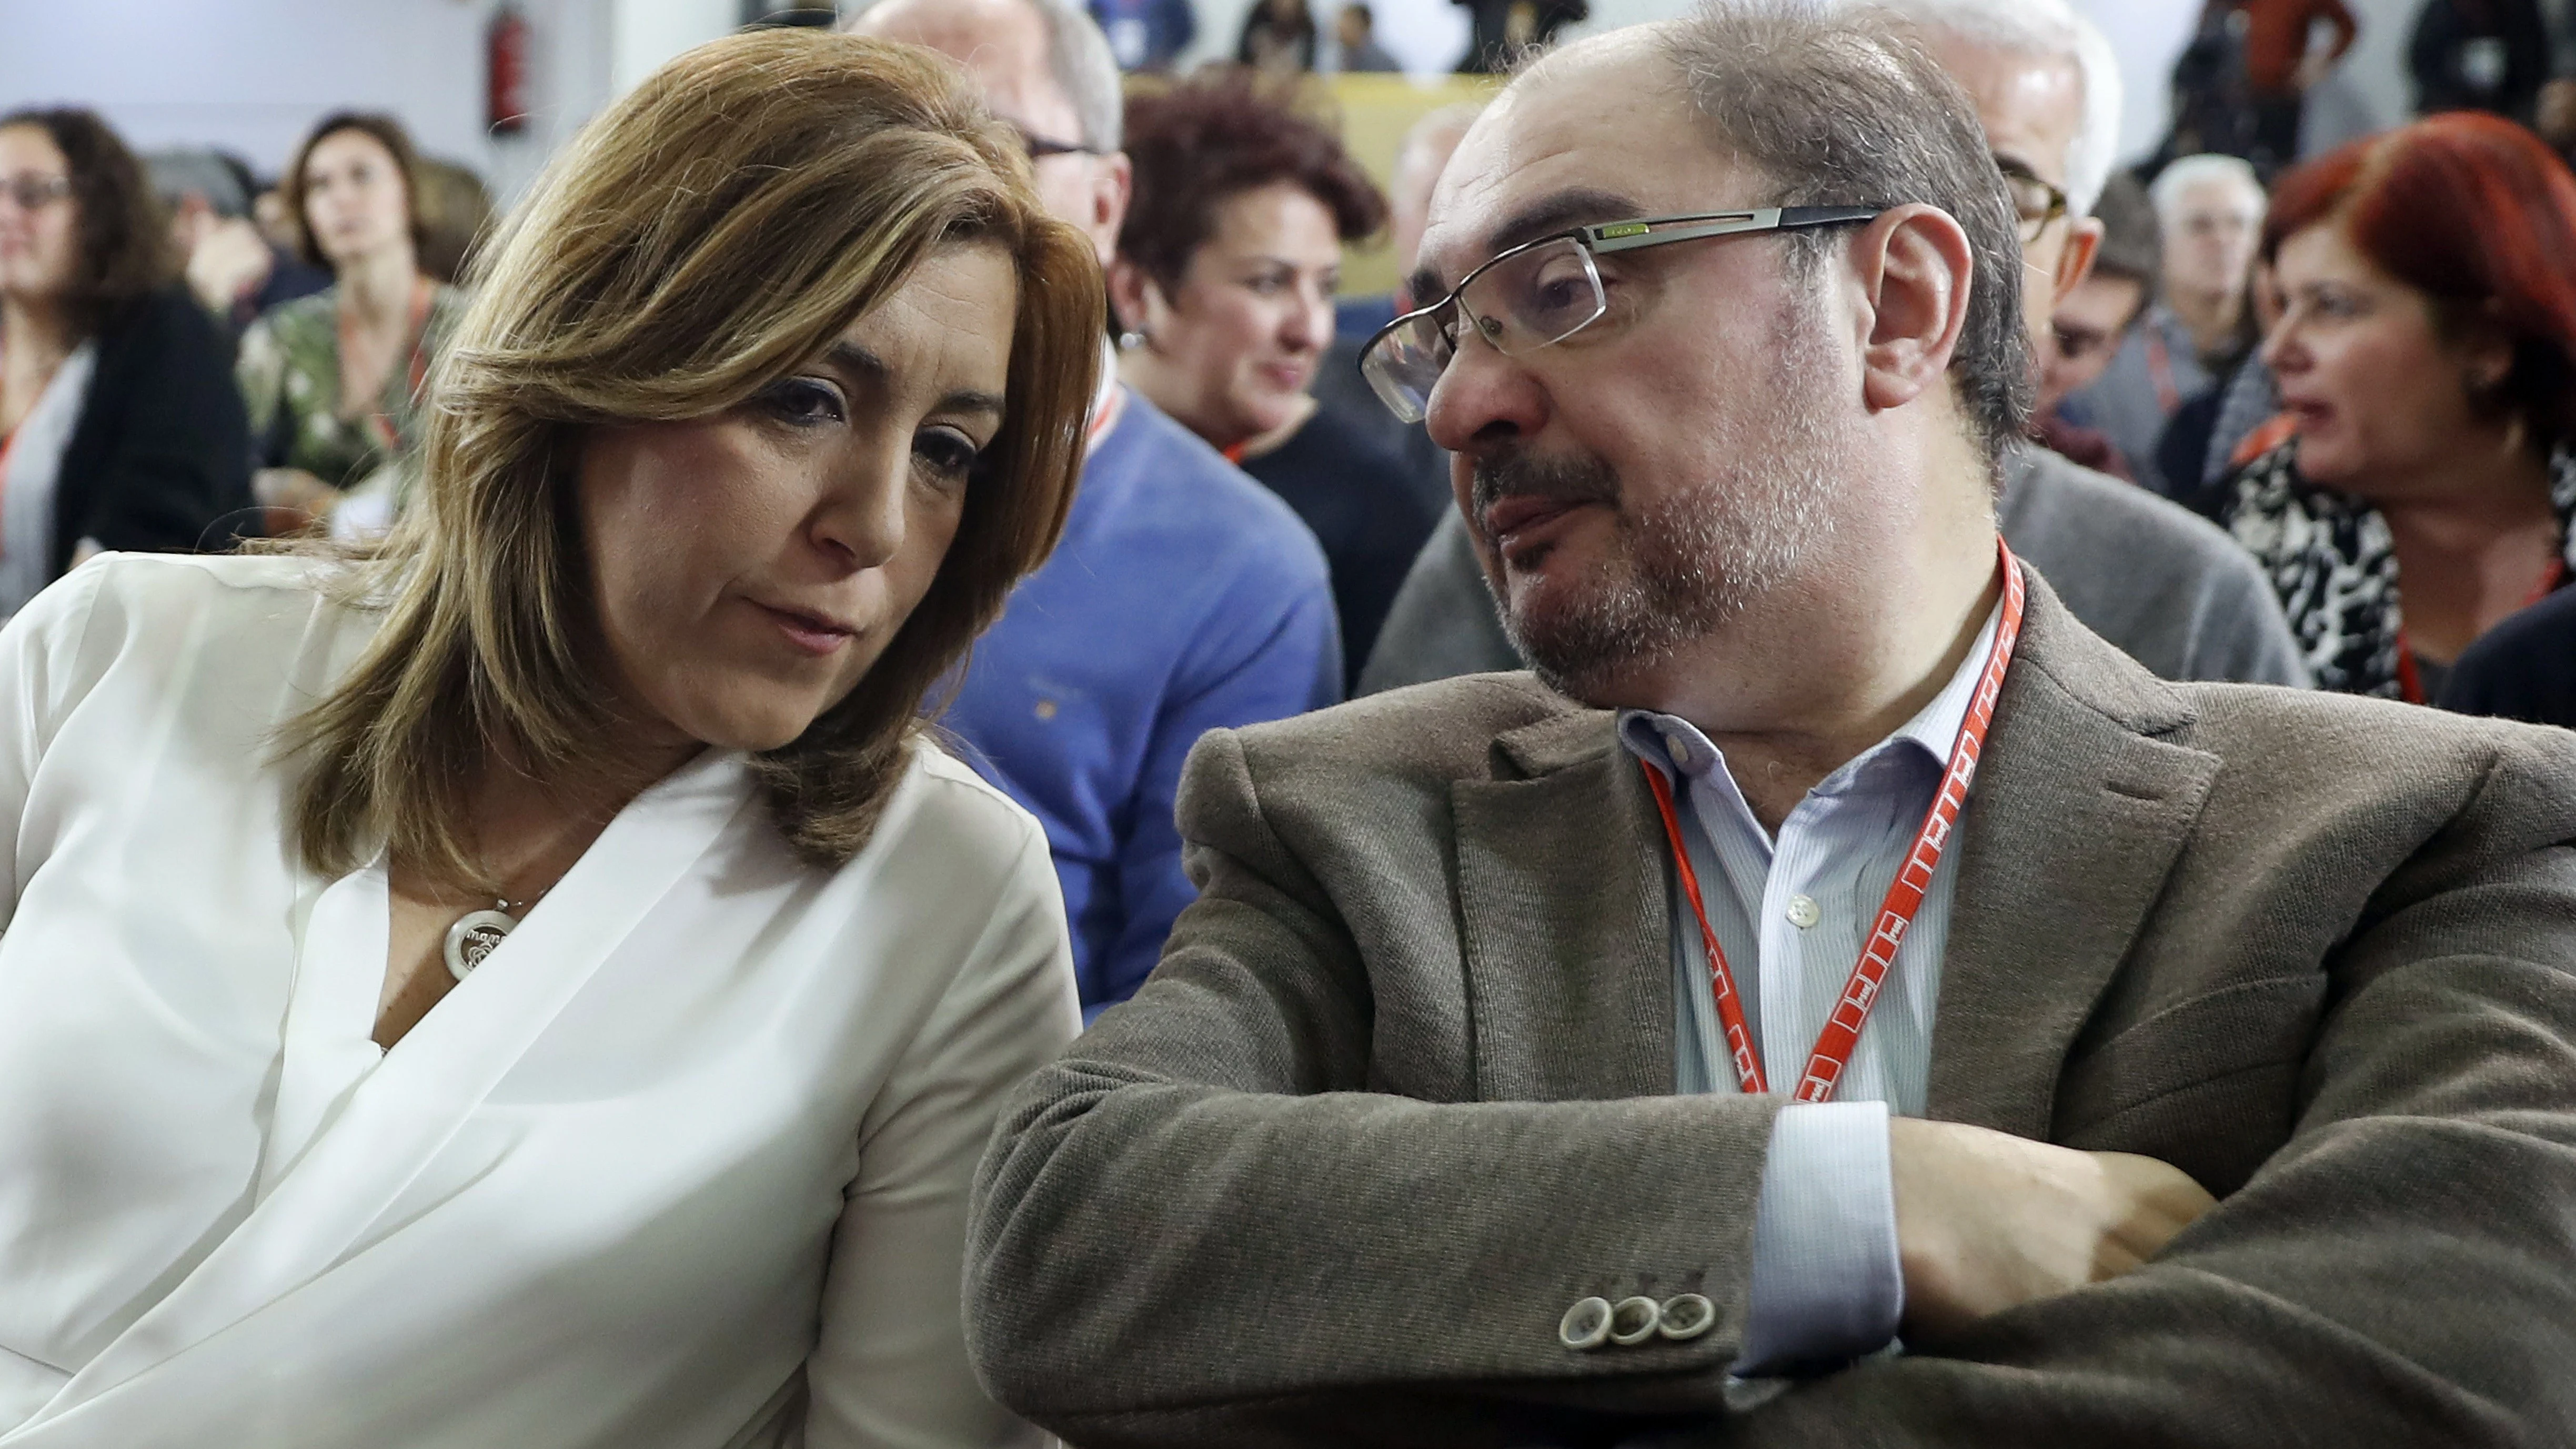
2410 680
1904 895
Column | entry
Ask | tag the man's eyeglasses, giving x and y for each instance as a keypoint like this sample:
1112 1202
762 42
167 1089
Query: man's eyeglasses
2034 201
1541 292
35 192
1040 148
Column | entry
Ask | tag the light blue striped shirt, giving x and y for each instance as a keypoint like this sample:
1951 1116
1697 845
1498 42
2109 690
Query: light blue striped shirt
1791 915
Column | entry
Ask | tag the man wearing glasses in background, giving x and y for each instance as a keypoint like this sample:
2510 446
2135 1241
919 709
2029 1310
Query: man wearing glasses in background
1835 940
2164 585
1183 596
2145 573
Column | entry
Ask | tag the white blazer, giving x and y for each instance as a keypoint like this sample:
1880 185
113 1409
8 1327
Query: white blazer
683 1164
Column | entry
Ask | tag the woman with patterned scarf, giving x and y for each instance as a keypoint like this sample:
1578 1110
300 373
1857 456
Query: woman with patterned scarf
2427 353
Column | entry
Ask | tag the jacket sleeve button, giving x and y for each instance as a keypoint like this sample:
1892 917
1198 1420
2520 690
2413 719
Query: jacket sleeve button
1686 1315
1634 1320
1586 1325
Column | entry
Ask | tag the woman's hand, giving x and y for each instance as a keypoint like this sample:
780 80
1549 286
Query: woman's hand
295 489
226 263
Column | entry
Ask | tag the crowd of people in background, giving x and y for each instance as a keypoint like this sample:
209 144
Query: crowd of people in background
2340 359
2244 85
194 358
1283 37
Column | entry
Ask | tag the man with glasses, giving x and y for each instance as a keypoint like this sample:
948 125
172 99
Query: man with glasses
2167 587
1183 597
2202 330
2096 319
1835 939
2145 573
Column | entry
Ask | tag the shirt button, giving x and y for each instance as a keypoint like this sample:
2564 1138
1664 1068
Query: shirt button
1803 912
1679 748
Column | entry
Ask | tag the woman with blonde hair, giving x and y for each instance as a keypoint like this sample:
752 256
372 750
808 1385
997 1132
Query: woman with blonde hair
534 983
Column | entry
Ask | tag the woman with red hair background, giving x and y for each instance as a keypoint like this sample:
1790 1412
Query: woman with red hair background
2427 350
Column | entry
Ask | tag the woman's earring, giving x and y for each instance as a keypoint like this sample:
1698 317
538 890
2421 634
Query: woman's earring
1130 340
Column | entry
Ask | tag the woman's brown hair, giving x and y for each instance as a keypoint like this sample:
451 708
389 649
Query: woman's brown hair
122 237
1201 142
699 240
386 132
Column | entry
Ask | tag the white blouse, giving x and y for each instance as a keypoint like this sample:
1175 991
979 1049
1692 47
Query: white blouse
33 466
684 1163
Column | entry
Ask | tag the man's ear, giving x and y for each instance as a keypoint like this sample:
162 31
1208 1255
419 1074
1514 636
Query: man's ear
1126 283
1136 297
2075 259
1914 269
1113 185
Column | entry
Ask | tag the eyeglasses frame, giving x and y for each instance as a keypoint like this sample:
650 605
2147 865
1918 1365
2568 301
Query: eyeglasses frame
1041 147
2059 203
1610 238
46 189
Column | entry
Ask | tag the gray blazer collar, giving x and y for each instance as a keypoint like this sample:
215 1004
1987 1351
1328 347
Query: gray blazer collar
1559 741
2080 807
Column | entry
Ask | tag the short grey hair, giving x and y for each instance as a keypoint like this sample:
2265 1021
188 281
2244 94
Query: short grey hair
1080 63
2190 171
1086 71
2051 29
184 171
1841 109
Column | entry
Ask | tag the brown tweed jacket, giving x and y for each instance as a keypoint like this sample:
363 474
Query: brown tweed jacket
1401 1090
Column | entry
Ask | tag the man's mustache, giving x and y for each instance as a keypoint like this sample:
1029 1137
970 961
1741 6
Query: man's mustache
1564 480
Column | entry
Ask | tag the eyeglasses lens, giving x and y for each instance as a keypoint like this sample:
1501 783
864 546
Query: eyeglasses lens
1405 363
33 192
2035 203
1526 301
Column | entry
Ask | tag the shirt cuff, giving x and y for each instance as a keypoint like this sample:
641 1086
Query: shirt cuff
1827 1287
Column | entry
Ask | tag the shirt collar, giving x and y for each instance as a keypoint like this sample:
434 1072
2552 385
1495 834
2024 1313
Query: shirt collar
1678 748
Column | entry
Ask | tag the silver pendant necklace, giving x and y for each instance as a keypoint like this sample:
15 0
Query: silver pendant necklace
477 934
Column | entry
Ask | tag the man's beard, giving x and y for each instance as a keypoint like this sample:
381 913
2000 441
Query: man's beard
1684 566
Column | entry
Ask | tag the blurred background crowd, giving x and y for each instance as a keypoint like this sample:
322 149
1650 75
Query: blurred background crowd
233 241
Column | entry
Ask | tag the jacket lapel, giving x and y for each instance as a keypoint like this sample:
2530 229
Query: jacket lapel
1564 920
2075 820
323 1205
